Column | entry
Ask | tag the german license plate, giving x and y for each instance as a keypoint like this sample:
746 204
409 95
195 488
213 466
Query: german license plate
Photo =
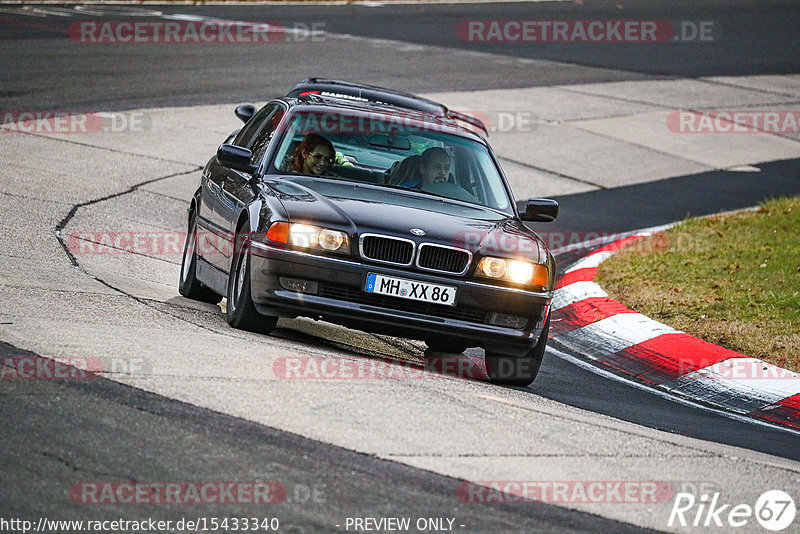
410 289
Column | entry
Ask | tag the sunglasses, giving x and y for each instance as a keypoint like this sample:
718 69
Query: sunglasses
317 156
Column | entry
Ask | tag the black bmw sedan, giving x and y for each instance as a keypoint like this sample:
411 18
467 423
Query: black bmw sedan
375 216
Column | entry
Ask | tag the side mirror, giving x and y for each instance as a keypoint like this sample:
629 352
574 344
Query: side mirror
245 112
236 157
540 210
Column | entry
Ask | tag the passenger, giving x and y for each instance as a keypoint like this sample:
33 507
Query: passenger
430 167
314 155
306 158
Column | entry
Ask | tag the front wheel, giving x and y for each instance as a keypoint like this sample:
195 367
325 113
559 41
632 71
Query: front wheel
188 285
241 313
517 370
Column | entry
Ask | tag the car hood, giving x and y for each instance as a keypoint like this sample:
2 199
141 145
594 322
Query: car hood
359 208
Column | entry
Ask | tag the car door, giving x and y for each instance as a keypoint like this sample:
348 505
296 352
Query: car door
237 189
212 238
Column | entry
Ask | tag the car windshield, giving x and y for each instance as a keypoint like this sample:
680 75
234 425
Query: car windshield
390 151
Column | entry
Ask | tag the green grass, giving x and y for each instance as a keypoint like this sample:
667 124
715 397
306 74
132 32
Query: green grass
733 280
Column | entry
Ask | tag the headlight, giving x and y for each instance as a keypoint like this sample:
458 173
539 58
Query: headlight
516 271
302 235
331 239
520 272
308 236
493 267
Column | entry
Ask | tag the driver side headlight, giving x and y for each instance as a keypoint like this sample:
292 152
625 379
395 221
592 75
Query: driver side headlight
515 271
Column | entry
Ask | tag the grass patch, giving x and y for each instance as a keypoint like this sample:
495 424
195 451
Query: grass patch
733 280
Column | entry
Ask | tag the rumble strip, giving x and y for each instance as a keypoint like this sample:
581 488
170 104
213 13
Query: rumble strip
586 320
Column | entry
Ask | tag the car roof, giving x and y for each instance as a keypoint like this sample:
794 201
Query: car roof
326 87
416 119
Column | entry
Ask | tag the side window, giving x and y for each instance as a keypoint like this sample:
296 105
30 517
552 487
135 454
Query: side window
254 126
264 136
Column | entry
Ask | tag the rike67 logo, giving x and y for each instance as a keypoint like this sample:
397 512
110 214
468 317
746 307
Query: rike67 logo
774 510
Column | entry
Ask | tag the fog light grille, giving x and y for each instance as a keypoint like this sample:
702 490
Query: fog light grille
508 321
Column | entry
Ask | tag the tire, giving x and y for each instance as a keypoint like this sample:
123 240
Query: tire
241 313
449 346
188 284
517 370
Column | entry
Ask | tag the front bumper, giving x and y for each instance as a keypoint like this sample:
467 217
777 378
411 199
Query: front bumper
340 298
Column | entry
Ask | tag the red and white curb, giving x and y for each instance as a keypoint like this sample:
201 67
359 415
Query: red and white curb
586 320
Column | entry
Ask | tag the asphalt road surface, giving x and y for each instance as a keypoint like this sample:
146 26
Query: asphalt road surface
752 37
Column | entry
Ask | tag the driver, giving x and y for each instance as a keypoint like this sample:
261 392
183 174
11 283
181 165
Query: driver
430 167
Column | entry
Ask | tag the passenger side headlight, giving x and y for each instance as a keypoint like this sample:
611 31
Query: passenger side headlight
309 236
516 271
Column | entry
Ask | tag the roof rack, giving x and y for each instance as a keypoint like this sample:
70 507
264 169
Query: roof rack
379 95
